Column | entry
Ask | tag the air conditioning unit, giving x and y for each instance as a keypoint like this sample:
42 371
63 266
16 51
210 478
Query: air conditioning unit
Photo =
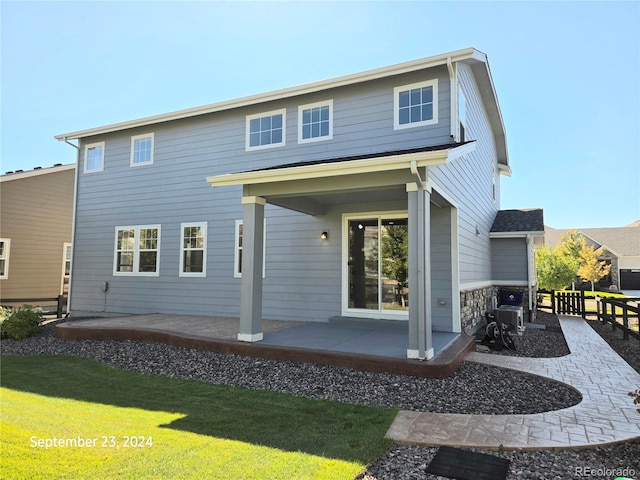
511 315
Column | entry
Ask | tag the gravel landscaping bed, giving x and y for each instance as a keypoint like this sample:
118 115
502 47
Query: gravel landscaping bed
473 389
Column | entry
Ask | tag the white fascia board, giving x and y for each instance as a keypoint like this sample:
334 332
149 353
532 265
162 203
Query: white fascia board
532 233
504 169
429 62
334 169
34 173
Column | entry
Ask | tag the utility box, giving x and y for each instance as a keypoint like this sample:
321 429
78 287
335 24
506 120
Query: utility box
512 315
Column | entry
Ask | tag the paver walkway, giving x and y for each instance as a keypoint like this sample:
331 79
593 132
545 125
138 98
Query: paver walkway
605 415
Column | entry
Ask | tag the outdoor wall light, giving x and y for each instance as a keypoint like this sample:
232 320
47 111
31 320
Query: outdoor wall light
324 235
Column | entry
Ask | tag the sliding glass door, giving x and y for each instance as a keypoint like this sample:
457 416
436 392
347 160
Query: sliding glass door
376 265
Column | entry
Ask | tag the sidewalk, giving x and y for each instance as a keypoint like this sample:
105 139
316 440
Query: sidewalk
605 415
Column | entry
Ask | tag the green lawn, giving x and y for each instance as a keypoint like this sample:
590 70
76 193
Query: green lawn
143 426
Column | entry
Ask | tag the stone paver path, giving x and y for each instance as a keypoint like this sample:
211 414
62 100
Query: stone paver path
605 415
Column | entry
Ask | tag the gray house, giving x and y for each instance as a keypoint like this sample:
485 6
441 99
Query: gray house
371 195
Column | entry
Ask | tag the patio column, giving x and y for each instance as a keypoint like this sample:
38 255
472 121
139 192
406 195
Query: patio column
420 336
252 259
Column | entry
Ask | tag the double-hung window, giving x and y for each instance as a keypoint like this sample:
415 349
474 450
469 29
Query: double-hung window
4 258
137 251
94 157
142 149
237 272
193 255
315 122
416 104
266 130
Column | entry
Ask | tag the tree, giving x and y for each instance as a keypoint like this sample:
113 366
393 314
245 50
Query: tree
570 246
591 268
554 270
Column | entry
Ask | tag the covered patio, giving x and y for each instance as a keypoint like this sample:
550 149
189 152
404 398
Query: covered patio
369 345
395 177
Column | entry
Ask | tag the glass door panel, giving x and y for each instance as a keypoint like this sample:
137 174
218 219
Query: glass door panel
363 264
394 267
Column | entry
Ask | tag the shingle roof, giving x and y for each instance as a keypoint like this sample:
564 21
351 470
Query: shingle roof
525 220
624 241
388 153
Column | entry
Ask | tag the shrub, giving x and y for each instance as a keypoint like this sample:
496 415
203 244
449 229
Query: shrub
20 323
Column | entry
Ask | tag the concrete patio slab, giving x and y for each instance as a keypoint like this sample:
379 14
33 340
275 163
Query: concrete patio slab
605 415
373 346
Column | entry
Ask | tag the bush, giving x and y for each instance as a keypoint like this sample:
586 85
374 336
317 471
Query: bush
20 323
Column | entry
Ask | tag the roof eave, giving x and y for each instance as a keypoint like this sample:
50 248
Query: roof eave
533 233
333 169
437 60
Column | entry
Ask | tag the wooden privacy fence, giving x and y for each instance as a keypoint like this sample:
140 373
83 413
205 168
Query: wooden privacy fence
567 303
612 310
60 299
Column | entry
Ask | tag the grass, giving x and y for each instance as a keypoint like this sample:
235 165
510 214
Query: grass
197 430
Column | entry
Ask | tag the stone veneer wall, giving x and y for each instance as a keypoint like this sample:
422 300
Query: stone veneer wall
474 304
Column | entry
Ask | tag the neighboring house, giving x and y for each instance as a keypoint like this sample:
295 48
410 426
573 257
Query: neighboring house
621 250
36 217
370 195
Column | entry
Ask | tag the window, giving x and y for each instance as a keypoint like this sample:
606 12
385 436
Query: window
462 114
416 104
142 149
5 243
237 272
66 268
137 250
193 255
266 130
315 122
94 157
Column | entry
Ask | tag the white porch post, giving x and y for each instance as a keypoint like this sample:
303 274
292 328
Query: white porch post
252 258
420 335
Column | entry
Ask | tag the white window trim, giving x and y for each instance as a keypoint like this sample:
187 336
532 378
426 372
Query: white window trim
283 112
360 312
64 261
5 257
301 108
136 252
396 104
133 142
462 114
203 226
236 256
86 162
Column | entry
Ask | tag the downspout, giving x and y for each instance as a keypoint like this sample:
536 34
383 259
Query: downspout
530 262
453 96
73 220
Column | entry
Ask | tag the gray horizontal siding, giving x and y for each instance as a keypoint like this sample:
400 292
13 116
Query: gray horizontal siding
303 274
509 259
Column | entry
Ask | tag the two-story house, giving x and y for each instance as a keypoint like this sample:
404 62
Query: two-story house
371 195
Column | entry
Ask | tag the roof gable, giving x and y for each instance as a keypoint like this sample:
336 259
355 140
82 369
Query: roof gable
623 241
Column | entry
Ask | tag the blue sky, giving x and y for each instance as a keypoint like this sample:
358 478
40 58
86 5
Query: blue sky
567 75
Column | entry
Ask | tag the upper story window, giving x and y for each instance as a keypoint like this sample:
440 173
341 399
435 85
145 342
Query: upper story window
94 157
193 258
137 250
416 104
142 149
462 114
265 130
4 258
315 122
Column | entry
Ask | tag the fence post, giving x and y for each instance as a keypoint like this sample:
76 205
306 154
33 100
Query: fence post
583 306
625 322
614 320
553 302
